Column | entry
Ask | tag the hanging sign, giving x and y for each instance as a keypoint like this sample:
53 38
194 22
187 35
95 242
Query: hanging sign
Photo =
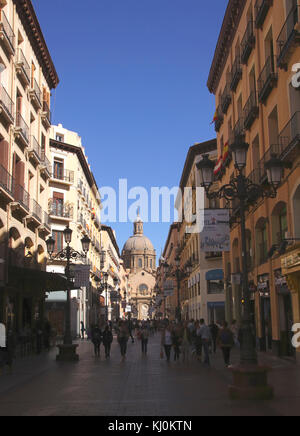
215 236
81 274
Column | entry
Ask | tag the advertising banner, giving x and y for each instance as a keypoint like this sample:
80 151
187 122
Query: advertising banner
81 274
215 236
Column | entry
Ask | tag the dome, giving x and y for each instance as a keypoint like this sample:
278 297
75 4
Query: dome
138 243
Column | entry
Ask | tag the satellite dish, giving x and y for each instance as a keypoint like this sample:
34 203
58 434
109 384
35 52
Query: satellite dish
2 67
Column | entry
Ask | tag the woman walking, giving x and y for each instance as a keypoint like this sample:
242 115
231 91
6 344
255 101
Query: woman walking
226 342
186 342
144 339
123 336
107 339
96 340
166 341
176 340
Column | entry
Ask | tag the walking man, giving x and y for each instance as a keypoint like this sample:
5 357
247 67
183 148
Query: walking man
144 339
96 339
107 338
206 340
226 342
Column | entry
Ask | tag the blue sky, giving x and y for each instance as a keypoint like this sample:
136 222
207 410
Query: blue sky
133 77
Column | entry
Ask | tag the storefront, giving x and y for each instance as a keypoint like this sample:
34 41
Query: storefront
263 289
285 314
215 296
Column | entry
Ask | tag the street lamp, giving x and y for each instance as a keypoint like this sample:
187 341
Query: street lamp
67 351
249 373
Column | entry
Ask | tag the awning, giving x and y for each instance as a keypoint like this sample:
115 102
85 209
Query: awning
215 274
26 278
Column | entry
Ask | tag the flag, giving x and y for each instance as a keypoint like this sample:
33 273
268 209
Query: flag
215 118
225 152
218 165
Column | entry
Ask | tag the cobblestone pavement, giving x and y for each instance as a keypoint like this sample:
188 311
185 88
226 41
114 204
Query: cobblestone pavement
141 386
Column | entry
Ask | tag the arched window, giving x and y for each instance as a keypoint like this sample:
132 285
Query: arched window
261 241
140 263
143 289
279 223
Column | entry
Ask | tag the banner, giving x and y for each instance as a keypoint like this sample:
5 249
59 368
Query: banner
81 274
215 236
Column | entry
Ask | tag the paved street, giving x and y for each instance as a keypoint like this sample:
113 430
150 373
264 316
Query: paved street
139 387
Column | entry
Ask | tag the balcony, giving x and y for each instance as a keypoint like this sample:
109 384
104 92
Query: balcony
261 11
226 99
45 226
21 130
267 80
36 217
35 95
248 42
7 35
46 116
236 73
45 166
289 140
21 202
238 133
60 210
219 120
289 37
22 68
62 176
250 111
6 106
35 151
6 185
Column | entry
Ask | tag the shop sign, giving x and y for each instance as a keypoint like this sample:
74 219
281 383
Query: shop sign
81 274
291 261
215 236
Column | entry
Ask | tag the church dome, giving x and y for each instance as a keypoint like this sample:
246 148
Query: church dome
138 243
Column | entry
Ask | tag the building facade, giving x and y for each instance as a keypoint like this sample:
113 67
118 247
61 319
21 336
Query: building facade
26 79
257 102
74 202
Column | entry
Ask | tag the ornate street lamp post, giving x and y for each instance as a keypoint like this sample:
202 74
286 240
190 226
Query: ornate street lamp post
250 379
67 351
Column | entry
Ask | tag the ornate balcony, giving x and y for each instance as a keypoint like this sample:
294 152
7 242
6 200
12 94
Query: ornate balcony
61 211
35 151
36 215
46 115
250 111
45 227
45 166
63 176
35 94
261 11
238 133
226 99
6 185
7 35
267 80
236 73
289 37
22 68
219 120
6 106
248 42
289 139
21 202
21 130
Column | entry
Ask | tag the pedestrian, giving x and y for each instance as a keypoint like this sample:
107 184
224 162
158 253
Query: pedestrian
186 342
96 339
214 330
47 334
205 335
176 341
166 341
82 329
144 339
198 341
123 336
226 342
235 332
107 339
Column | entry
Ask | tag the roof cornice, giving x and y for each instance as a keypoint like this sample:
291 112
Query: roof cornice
229 27
33 30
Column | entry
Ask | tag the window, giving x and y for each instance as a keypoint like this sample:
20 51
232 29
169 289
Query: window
59 137
143 289
215 287
58 168
59 240
140 263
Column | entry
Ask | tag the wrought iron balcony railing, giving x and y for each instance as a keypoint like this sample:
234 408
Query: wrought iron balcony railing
226 99
6 181
22 196
63 175
248 42
8 32
251 110
261 10
267 79
219 120
289 36
22 126
35 148
236 73
46 112
23 65
7 104
60 210
36 210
